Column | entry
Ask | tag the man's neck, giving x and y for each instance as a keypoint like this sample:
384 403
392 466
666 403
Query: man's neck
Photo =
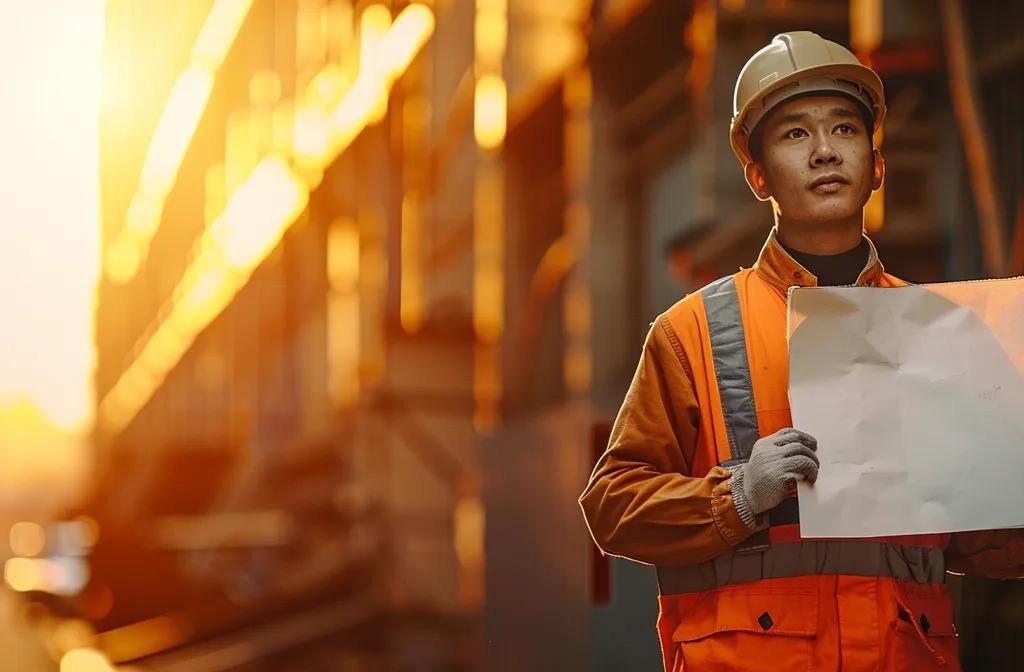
818 239
834 269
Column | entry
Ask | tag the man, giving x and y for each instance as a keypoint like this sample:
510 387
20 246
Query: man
700 468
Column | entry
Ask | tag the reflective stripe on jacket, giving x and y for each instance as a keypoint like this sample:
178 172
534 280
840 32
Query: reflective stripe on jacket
711 380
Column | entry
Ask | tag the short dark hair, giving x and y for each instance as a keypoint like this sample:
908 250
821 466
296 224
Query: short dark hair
756 143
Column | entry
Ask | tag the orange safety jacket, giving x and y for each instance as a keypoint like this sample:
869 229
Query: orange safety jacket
713 378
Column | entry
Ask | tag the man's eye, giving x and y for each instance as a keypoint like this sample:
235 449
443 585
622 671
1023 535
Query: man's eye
795 133
845 129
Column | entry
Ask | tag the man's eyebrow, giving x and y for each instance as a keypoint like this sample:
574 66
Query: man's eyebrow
844 112
804 118
792 118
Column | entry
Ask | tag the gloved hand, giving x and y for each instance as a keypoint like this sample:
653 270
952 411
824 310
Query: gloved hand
775 461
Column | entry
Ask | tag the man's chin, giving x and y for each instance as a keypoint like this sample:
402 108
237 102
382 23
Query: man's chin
831 213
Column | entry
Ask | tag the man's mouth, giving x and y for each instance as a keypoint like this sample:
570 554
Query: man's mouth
829 183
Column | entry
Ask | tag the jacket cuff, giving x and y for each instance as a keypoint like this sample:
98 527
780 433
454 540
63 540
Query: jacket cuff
739 500
725 514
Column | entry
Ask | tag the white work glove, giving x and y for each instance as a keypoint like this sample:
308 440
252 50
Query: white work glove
775 462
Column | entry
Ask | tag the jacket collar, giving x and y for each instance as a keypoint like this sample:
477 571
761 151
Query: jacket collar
782 271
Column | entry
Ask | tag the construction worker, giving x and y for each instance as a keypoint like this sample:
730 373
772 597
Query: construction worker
699 472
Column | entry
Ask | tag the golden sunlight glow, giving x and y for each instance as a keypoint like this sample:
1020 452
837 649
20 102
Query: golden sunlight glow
343 257
85 660
415 120
219 32
22 574
490 114
254 220
373 26
865 25
404 40
382 61
577 364
27 539
491 32
262 208
469 527
328 85
58 576
411 287
177 124
469 522
362 104
265 88
488 274
311 137
174 131
49 249
252 223
490 111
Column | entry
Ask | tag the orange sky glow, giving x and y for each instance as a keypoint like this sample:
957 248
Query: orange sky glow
49 234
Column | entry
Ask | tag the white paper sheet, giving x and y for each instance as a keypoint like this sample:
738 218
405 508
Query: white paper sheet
916 397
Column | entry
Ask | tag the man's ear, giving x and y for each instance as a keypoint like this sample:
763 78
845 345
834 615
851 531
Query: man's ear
878 174
757 181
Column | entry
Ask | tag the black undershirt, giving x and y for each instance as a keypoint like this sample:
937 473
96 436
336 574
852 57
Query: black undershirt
834 269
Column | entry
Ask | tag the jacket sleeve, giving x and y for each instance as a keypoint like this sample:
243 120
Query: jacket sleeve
641 503
996 554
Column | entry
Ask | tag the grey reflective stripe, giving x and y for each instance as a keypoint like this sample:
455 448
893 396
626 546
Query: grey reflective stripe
729 351
808 558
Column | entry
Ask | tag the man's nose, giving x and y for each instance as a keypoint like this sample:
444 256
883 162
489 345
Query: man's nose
825 154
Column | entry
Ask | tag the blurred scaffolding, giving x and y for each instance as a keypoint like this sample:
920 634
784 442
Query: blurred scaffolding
375 276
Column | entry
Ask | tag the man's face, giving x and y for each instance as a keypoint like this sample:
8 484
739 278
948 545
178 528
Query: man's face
817 161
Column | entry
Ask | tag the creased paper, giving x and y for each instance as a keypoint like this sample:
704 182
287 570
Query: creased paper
916 397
